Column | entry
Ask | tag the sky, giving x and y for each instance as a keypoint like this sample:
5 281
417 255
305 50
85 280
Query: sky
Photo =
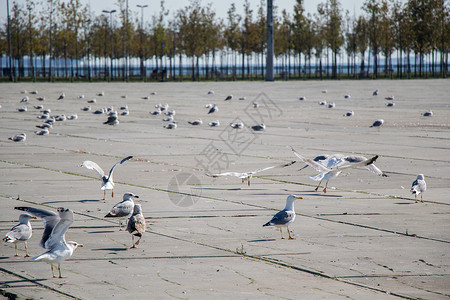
220 6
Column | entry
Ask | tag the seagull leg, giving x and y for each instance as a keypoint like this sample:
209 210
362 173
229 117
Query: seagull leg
325 189
132 239
318 186
53 274
415 197
281 234
137 243
59 270
289 232
104 195
248 181
421 197
112 193
26 249
15 247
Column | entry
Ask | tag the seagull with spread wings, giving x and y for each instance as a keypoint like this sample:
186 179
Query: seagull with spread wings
247 176
339 160
107 181
53 239
332 172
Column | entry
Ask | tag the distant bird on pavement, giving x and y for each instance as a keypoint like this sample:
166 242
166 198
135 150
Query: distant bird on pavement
419 186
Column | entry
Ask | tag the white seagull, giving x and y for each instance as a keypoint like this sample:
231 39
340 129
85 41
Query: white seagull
329 173
285 217
247 176
21 137
136 225
20 233
107 181
419 186
123 209
53 238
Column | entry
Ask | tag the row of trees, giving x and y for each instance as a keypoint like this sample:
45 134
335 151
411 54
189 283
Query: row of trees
64 39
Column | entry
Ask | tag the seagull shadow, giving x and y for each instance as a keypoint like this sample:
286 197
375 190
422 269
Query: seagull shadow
102 231
110 249
262 240
71 201
404 203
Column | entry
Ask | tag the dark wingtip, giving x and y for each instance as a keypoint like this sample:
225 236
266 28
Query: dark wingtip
109 215
384 175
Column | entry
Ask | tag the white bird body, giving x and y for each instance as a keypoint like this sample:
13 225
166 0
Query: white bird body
327 173
20 233
53 237
419 186
107 181
285 217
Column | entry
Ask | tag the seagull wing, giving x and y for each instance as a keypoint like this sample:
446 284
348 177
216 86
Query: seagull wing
136 224
17 232
49 218
118 163
235 174
364 163
372 168
281 218
317 166
93 166
57 235
271 167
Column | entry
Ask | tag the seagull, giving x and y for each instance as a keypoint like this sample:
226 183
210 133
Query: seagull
347 96
101 94
242 98
331 105
208 105
81 96
247 176
260 127
60 118
375 93
329 173
38 106
45 125
156 112
324 91
229 97
24 99
62 96
302 98
41 98
124 96
213 109
237 125
124 107
255 104
339 160
145 97
113 119
136 225
390 104
53 238
92 101
196 122
21 137
285 217
72 117
419 186
211 92
86 108
172 125
20 233
350 113
214 123
428 113
377 123
168 119
323 102
42 132
123 209
153 93
35 92
125 113
22 109
170 113
390 98
107 181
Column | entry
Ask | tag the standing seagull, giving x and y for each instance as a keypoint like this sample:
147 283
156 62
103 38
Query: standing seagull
377 123
53 238
419 186
248 175
329 173
136 225
20 233
107 181
123 209
285 217
213 109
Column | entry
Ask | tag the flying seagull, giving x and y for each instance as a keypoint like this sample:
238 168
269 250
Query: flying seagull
339 160
123 209
20 233
53 239
247 176
329 173
285 217
136 225
107 181
419 186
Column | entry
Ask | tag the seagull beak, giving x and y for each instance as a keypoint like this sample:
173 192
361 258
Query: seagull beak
80 245
299 198
34 218
136 196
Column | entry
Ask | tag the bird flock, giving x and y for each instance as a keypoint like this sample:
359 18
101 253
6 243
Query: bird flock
57 223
